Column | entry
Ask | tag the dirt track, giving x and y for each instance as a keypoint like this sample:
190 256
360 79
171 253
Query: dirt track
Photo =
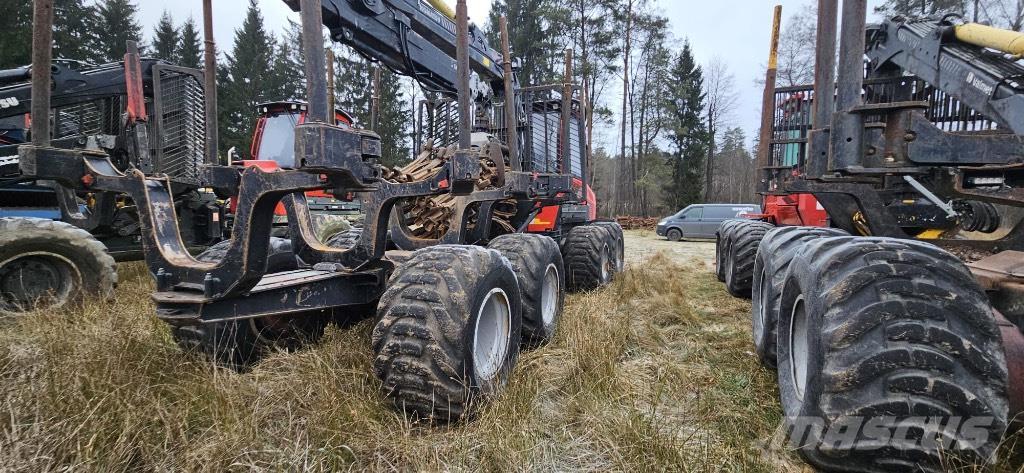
641 245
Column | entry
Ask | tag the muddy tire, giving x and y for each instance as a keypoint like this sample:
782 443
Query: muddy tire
723 237
774 254
615 230
346 239
46 264
448 331
242 343
537 263
892 332
740 256
586 252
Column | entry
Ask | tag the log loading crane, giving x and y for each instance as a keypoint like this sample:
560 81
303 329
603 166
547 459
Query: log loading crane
916 341
443 259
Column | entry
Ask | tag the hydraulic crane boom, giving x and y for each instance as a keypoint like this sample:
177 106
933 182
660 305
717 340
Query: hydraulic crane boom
954 59
411 37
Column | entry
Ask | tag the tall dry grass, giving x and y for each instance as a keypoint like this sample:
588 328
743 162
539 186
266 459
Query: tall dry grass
653 373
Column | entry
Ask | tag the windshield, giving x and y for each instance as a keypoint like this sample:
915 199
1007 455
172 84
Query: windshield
278 140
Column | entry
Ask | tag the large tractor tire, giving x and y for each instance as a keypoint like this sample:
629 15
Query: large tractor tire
615 230
448 331
46 265
240 344
740 255
774 254
898 337
537 262
344 240
723 237
589 263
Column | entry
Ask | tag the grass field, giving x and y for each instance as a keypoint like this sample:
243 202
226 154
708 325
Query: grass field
654 372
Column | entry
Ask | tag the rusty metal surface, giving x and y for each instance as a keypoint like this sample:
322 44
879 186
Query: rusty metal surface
210 76
462 81
42 60
768 104
511 121
316 73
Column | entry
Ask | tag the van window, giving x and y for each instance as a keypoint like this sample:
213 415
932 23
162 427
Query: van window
691 213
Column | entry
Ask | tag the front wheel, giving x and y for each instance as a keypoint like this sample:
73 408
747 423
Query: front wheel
448 331
891 348
45 264
674 235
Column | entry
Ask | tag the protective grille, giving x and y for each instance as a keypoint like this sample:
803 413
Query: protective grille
438 123
98 117
180 114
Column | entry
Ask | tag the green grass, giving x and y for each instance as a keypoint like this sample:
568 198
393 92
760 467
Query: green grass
654 373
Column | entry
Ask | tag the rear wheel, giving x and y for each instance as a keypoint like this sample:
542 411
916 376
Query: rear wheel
895 336
46 264
742 250
770 266
537 263
615 230
448 331
239 344
587 252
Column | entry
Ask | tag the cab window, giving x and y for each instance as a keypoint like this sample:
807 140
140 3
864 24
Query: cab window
690 213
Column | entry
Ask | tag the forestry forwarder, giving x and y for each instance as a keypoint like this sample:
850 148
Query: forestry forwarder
451 313
885 328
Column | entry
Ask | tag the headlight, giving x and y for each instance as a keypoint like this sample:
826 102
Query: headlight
663 222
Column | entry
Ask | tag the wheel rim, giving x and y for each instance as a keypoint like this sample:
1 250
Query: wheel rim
762 300
549 296
33 280
674 235
798 347
491 335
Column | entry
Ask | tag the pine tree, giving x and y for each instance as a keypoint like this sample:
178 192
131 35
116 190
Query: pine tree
247 80
16 35
394 122
74 32
166 39
531 36
289 66
687 130
190 54
117 23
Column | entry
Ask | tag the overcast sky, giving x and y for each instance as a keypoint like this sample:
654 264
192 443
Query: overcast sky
737 31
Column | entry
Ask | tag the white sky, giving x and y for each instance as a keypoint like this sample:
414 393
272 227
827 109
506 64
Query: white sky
737 31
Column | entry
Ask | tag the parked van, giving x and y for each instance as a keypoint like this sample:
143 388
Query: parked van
702 220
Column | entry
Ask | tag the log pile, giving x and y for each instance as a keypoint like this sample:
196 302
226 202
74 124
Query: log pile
431 217
637 223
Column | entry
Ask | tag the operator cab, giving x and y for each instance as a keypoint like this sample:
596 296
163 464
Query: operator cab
274 139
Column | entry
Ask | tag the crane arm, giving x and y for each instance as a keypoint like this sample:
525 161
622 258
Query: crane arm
411 37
